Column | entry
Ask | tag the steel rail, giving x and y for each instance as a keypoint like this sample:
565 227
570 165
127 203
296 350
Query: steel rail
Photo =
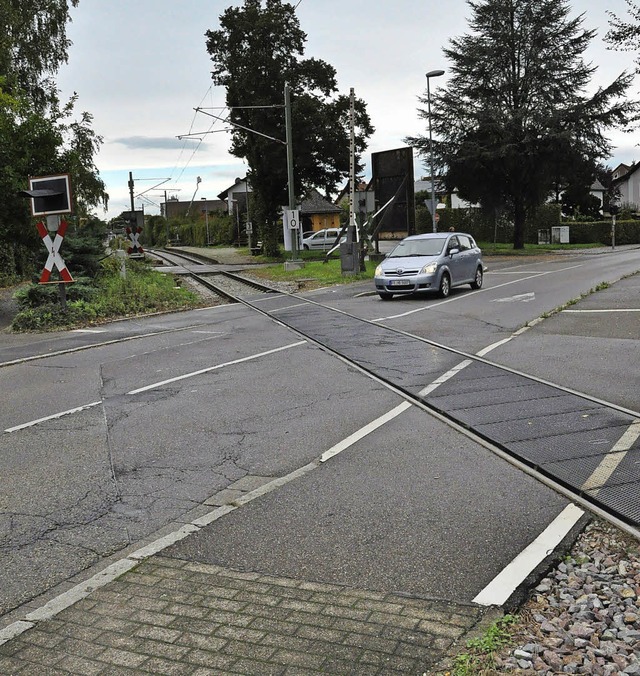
497 448
501 450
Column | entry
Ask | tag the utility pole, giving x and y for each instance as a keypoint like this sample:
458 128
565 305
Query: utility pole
291 187
166 217
350 250
133 209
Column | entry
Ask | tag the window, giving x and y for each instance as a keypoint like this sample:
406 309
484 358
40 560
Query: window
465 243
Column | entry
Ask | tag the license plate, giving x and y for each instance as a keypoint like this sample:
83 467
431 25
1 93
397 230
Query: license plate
400 282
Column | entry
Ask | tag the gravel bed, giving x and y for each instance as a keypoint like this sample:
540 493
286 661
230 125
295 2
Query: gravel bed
584 617
233 287
284 287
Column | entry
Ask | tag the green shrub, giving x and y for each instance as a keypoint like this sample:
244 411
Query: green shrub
107 296
37 295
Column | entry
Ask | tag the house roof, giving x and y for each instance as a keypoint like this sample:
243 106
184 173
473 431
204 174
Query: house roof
315 203
630 170
225 193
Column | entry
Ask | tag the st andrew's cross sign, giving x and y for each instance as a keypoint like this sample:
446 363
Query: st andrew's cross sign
51 196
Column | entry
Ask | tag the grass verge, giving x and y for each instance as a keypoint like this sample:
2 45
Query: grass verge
107 297
500 249
314 274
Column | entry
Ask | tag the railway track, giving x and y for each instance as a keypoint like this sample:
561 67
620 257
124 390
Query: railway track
227 285
582 447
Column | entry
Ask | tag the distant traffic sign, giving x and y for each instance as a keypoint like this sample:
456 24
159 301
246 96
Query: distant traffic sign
135 250
292 218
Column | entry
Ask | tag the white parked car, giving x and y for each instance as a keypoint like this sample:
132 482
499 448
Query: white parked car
322 240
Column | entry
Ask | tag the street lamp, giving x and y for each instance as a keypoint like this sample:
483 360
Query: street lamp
206 218
430 74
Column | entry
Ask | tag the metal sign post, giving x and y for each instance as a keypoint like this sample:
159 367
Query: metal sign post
614 207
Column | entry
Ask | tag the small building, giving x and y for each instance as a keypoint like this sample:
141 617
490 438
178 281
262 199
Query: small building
174 208
317 213
621 170
236 196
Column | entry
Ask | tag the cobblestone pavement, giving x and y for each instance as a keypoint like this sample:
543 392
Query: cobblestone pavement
168 616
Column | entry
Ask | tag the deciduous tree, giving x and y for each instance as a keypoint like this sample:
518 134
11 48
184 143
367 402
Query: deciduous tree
258 47
625 35
38 135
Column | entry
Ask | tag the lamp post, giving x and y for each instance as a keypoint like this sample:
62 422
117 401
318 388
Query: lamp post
198 181
206 218
430 74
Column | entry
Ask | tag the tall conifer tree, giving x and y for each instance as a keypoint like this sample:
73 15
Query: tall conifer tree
515 116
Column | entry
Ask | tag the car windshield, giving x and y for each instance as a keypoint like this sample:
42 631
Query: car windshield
419 247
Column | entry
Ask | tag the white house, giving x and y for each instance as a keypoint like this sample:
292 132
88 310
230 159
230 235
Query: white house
236 194
628 184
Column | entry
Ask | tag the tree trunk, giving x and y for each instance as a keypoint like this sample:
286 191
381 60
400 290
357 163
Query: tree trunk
519 224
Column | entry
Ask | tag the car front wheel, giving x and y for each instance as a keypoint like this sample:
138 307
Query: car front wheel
445 285
385 296
305 247
477 282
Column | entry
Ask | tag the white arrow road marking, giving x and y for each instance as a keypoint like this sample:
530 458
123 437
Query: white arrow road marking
521 297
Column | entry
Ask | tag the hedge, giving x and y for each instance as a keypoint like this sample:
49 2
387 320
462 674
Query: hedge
485 228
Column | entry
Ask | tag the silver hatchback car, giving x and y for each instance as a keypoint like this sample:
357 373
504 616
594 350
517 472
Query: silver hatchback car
430 262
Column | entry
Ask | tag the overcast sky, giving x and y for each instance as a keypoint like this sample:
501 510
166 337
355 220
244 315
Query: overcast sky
142 67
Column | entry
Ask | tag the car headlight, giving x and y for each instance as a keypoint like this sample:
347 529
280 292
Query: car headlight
429 269
378 272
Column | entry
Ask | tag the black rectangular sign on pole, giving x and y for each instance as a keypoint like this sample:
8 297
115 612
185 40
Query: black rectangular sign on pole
50 195
393 179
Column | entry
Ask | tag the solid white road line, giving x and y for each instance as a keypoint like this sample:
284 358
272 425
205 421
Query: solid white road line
580 312
287 307
215 368
489 348
363 431
482 290
52 417
610 462
70 411
444 377
507 581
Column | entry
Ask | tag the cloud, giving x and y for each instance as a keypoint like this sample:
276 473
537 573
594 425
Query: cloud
155 142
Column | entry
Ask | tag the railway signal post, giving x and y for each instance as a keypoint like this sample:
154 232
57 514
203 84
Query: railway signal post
51 199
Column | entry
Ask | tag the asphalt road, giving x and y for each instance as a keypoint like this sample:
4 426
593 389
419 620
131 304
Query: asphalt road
413 506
